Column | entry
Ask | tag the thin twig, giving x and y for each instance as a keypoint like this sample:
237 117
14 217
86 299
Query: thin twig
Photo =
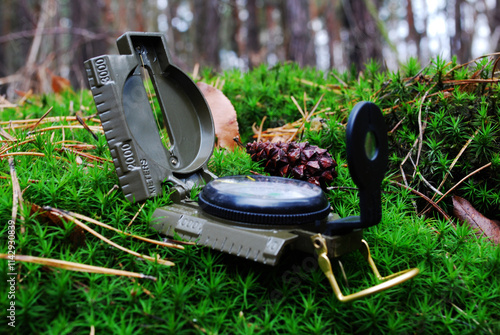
435 190
456 159
423 196
462 180
115 187
342 188
72 266
405 159
421 129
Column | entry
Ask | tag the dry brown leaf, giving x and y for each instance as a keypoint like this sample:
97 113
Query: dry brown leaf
464 211
59 84
224 115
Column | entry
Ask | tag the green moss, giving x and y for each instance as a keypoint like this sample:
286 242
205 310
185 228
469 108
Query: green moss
209 292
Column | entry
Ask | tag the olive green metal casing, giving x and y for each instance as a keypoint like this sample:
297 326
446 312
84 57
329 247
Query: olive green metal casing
141 160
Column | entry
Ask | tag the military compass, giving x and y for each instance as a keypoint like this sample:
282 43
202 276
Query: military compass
255 217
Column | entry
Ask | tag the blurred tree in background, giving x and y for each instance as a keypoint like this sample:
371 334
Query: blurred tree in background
40 39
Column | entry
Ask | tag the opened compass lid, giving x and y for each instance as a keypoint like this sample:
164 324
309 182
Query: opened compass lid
264 200
141 159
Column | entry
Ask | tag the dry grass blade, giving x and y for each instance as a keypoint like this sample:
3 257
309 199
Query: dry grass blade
96 234
305 114
38 154
427 208
260 128
72 266
335 88
405 159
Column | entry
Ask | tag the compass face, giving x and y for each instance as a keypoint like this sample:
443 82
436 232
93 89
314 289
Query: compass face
264 200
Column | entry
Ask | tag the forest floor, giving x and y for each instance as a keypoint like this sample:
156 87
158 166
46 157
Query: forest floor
59 188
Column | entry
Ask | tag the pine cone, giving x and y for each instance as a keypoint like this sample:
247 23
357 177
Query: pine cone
298 160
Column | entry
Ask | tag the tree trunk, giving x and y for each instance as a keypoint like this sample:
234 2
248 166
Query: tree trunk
85 15
16 16
461 42
413 36
365 41
494 21
207 21
299 41
253 43
333 30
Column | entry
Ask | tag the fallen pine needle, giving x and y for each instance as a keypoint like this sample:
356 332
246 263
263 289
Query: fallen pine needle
15 145
40 119
88 156
33 181
108 241
94 128
17 197
82 122
39 154
47 120
136 215
145 239
72 266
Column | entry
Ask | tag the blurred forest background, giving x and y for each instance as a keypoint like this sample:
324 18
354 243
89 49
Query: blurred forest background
46 38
